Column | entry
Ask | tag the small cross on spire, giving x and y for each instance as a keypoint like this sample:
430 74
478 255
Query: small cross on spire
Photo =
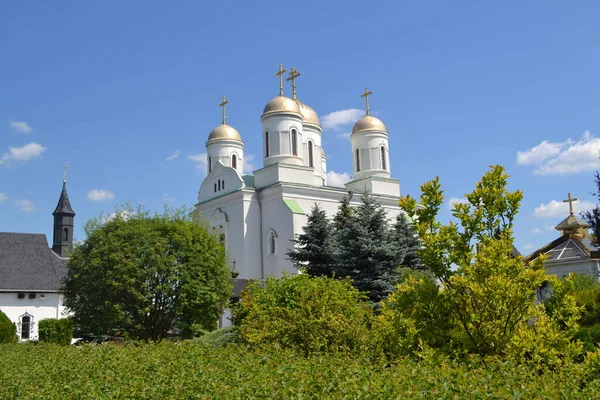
570 200
366 95
65 173
293 75
280 75
223 104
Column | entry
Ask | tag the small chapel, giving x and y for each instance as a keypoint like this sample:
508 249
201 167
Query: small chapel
31 272
257 214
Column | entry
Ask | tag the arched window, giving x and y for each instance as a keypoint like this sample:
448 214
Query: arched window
209 164
267 144
25 326
357 160
272 244
234 161
311 162
215 188
383 161
223 185
219 186
294 142
65 234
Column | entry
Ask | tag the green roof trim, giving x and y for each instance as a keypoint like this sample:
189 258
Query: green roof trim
294 206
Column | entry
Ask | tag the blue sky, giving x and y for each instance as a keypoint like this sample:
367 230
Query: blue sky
127 93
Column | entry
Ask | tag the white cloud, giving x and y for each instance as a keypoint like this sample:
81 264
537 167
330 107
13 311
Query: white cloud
3 197
168 199
201 161
100 195
456 200
248 163
527 246
28 152
536 230
345 135
563 158
338 118
173 156
557 208
337 179
19 126
25 205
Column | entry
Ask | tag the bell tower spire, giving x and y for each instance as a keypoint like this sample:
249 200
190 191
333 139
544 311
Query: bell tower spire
62 242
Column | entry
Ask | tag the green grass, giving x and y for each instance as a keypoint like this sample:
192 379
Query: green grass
194 371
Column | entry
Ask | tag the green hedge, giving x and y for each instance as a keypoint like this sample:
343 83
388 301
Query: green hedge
59 331
8 330
187 370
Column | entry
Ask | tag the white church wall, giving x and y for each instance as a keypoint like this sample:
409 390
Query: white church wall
50 306
581 267
280 127
252 239
369 144
223 150
277 219
222 180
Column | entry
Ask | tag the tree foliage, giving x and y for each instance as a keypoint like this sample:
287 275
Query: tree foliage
59 331
147 275
8 330
308 314
592 216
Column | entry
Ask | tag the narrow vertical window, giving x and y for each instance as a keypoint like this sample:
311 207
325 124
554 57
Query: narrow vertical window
383 161
25 327
357 160
267 144
311 163
219 184
294 142
272 244
209 164
223 185
234 161
215 188
65 234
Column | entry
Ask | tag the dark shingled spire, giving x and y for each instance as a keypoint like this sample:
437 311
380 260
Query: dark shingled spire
62 242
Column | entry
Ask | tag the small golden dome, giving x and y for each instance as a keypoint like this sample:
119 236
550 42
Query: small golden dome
310 116
224 132
369 123
281 104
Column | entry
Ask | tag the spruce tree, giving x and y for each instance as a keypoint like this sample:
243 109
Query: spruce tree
407 244
313 251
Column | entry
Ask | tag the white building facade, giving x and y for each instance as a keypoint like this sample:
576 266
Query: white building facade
259 213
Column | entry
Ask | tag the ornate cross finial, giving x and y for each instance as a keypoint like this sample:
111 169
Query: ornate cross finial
570 200
223 104
280 75
366 95
293 75
65 173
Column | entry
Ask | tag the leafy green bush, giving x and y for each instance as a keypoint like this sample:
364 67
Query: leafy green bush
8 330
309 314
59 331
220 337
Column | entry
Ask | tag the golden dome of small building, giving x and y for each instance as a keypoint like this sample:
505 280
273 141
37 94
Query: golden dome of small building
310 116
224 132
369 123
282 104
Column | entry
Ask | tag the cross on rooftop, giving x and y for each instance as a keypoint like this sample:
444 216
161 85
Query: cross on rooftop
570 200
366 95
223 104
280 75
65 172
293 75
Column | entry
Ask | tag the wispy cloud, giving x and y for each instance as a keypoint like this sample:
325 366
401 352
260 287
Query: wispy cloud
25 205
3 197
536 230
336 119
201 161
344 135
337 179
562 158
527 246
168 199
100 195
456 200
20 126
173 156
557 208
248 163
21 154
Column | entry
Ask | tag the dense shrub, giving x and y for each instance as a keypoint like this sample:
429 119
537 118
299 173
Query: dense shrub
59 331
310 314
220 337
8 330
189 371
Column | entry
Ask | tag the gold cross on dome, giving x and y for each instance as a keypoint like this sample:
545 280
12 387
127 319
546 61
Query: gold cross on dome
293 75
366 95
570 200
280 75
223 104
65 173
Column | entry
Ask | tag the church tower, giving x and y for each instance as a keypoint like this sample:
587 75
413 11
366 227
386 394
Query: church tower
225 144
62 243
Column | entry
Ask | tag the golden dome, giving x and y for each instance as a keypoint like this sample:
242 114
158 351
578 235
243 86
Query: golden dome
310 116
224 132
281 104
369 123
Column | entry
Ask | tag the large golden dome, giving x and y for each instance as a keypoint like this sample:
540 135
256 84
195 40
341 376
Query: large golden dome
281 104
224 132
368 123
310 116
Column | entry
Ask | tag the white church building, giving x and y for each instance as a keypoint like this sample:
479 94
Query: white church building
259 213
